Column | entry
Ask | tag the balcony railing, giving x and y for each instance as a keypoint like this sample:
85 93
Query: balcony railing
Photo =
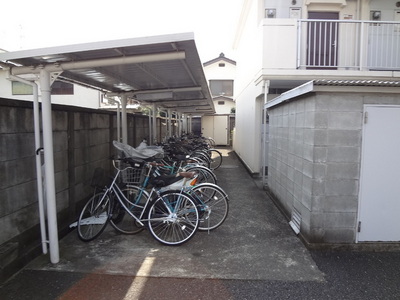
348 45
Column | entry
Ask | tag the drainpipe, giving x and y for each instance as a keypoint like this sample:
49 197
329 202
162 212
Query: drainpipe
169 124
124 119
36 119
178 124
118 121
184 124
263 146
154 125
150 125
49 166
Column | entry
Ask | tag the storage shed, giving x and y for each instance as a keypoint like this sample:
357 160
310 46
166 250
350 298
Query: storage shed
334 161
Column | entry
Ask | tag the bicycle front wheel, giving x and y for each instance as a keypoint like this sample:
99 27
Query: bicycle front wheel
94 217
134 201
213 205
173 218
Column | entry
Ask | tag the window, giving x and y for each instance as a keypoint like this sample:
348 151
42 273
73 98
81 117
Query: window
221 87
221 65
221 102
57 88
19 88
62 88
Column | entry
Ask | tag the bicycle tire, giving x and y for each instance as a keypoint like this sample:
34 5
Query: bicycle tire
121 220
204 175
94 217
216 159
213 207
173 218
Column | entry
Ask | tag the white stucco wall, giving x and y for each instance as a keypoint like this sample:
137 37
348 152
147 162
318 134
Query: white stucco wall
247 140
83 97
214 71
226 108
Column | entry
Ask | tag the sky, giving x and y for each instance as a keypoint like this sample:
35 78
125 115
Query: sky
31 24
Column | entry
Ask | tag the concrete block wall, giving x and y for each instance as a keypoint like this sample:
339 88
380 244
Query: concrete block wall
315 146
82 141
315 158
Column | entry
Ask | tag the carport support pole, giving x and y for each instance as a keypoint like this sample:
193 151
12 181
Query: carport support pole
49 166
124 100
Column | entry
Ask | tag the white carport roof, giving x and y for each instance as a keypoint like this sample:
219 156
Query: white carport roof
162 70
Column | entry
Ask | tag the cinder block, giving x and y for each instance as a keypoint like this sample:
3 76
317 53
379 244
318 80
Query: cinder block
16 145
320 154
319 171
81 120
345 120
343 171
341 187
340 137
343 154
318 188
60 120
339 235
340 204
343 103
321 119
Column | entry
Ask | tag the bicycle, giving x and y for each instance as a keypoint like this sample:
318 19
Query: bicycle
211 200
171 217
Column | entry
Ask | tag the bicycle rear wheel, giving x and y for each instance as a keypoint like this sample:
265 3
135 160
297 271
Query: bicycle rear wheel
173 218
203 174
213 207
121 220
216 159
94 217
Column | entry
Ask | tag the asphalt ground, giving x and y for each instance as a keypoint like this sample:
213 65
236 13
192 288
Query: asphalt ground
253 255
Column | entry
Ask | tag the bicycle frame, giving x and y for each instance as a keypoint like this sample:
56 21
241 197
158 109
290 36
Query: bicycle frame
116 190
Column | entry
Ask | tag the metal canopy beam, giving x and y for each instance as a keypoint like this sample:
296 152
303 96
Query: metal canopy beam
115 61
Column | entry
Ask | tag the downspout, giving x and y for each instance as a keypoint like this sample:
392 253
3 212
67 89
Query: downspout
169 124
179 122
150 125
36 119
263 146
124 119
154 125
118 121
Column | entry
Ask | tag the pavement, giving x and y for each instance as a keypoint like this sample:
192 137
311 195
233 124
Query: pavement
253 255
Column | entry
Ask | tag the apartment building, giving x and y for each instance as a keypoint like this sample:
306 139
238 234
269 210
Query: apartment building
320 79
220 73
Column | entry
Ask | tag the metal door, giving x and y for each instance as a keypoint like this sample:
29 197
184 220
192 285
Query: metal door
216 127
221 130
379 196
207 126
322 40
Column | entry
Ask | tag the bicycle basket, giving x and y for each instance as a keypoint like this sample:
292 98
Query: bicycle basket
133 175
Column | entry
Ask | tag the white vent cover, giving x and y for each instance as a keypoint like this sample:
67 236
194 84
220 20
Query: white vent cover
295 221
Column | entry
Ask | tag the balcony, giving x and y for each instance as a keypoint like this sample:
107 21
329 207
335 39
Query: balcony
348 45
300 50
